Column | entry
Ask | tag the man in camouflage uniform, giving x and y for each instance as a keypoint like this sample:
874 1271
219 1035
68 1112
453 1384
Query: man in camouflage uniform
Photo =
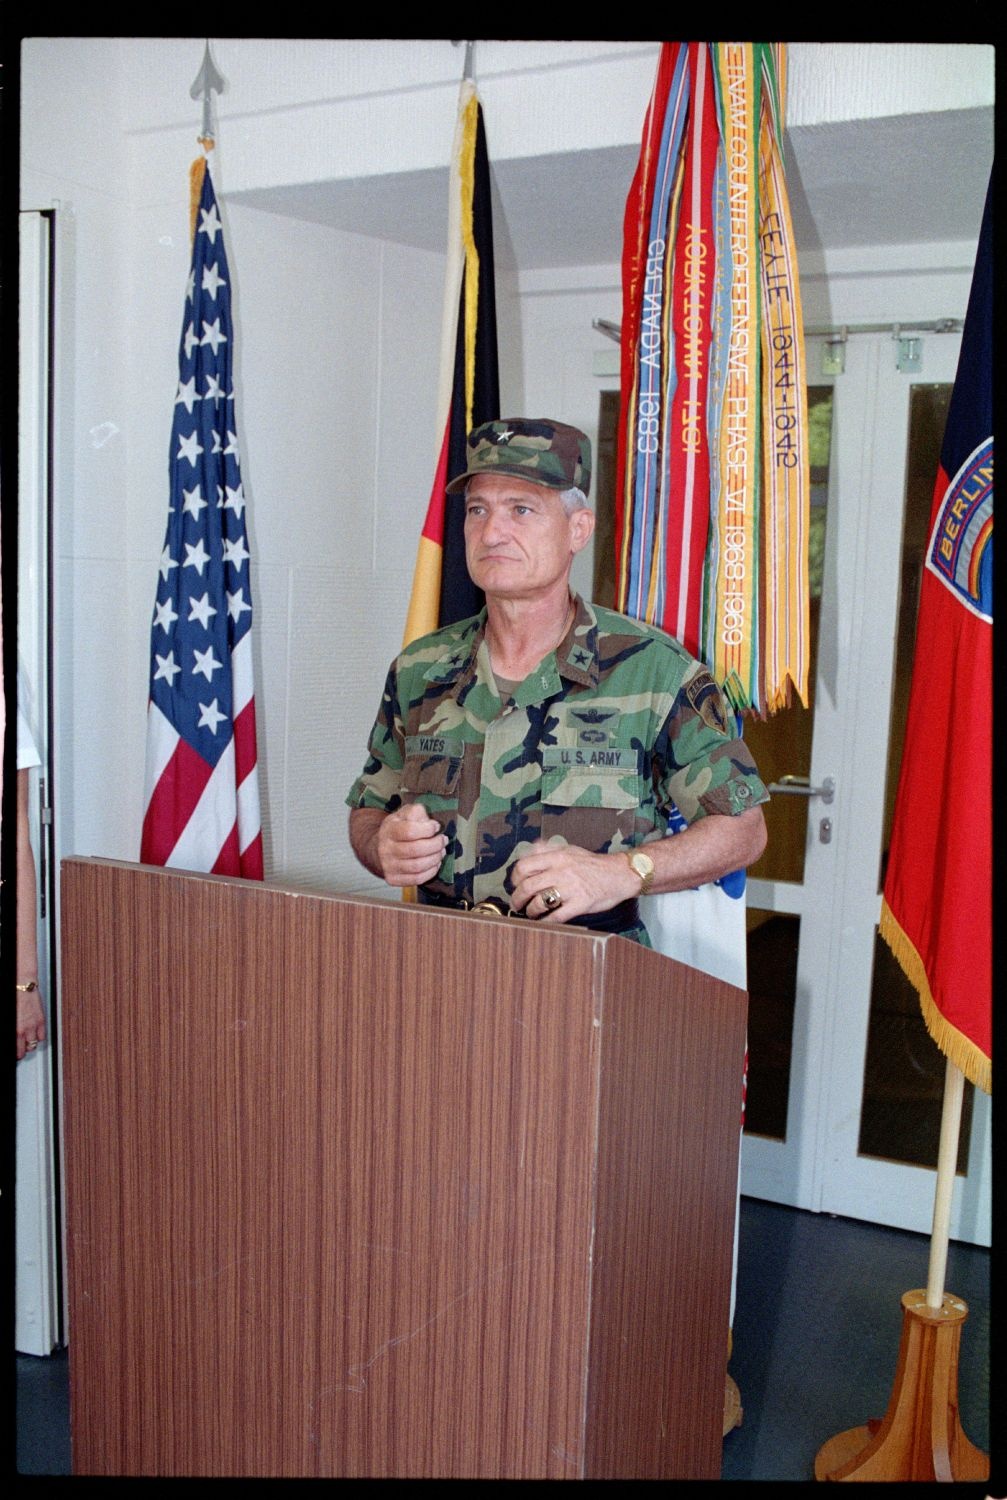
524 756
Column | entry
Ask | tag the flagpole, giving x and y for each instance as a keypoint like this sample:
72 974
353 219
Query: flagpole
947 1160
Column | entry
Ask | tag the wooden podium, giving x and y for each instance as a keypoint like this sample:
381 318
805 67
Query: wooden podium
360 1188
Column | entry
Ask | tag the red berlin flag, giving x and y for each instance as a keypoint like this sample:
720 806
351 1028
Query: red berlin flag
938 905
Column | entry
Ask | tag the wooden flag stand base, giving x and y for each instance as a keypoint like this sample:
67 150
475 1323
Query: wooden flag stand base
732 1406
920 1436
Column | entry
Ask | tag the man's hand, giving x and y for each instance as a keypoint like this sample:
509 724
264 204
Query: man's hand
30 1022
711 847
586 882
405 847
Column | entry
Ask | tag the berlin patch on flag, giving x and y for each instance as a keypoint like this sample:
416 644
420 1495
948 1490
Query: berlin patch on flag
960 552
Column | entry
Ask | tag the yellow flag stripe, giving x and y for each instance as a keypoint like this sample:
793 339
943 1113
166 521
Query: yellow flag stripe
423 613
466 170
425 602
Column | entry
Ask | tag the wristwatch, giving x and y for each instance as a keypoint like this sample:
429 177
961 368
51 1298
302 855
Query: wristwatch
643 866
32 984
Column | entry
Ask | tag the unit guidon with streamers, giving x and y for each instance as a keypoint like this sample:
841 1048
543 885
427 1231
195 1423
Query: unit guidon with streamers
713 483
201 791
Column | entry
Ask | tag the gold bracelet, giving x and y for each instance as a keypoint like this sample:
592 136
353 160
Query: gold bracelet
24 988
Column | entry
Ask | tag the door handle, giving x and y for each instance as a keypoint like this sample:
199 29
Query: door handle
800 786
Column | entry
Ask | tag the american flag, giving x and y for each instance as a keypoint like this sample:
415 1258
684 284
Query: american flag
201 794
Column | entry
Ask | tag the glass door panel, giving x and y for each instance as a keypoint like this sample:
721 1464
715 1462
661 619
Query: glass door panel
773 942
904 1069
900 1114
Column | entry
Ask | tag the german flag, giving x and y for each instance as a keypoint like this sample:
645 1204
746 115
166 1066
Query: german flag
469 387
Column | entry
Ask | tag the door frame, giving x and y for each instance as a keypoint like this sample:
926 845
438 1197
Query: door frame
38 1251
818 1167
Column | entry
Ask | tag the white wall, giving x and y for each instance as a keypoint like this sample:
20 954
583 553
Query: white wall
339 388
337 358
337 346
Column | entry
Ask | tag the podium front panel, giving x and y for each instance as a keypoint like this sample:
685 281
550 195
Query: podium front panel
333 1173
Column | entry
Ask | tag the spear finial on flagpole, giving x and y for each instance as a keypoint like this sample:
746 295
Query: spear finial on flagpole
469 71
207 82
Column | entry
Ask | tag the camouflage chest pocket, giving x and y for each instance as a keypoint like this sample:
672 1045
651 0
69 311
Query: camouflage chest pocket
432 774
591 797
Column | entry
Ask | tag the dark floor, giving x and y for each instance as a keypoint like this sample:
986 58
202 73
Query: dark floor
817 1324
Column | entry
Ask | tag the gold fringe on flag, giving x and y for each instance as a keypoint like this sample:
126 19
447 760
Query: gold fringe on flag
196 174
977 1067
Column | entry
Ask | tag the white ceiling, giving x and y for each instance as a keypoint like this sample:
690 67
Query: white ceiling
895 180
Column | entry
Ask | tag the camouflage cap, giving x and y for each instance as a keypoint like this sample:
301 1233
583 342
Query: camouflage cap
533 448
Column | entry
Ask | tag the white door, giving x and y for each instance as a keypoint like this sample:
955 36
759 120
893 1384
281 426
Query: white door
36 1329
844 1095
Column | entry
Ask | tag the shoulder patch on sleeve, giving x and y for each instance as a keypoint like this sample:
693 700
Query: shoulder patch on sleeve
708 702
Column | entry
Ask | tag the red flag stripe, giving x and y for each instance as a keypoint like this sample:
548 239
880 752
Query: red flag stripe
173 802
200 840
251 860
245 752
228 861
433 526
